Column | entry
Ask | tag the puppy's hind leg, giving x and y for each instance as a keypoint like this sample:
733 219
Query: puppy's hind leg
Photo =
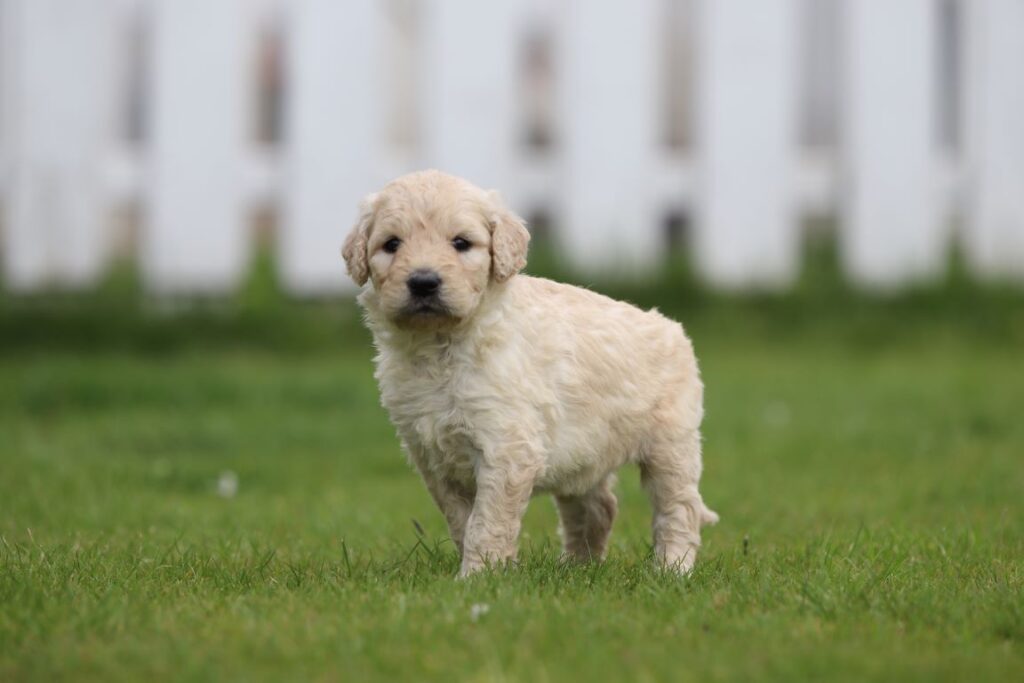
585 522
670 473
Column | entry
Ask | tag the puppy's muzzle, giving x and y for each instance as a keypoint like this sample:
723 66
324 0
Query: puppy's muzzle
423 283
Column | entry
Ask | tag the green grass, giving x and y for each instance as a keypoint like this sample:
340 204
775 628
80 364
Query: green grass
867 461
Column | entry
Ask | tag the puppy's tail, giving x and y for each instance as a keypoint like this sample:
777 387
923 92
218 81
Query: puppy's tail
708 517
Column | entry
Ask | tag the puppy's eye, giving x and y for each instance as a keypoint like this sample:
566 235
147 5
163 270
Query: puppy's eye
461 244
391 246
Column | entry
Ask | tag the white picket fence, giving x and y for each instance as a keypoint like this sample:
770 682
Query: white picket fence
646 109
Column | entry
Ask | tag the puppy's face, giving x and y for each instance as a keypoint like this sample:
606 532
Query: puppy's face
431 244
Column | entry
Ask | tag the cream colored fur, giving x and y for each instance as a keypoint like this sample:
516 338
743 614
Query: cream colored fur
523 385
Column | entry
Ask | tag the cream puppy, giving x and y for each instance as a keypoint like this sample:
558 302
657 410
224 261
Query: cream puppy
502 385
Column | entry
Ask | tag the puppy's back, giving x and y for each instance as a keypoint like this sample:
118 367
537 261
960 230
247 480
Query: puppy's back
615 348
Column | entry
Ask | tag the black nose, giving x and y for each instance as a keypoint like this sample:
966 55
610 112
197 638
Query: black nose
423 283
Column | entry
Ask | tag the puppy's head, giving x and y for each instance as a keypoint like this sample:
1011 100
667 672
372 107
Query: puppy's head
431 244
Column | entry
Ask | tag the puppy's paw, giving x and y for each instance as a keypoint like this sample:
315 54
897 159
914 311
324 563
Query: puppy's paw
469 568
466 573
677 561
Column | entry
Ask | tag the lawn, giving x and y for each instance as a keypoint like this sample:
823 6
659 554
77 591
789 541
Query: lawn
868 467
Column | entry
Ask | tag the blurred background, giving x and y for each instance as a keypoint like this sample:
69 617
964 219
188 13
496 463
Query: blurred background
196 477
184 136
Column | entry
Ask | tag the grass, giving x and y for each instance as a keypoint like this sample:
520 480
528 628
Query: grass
867 458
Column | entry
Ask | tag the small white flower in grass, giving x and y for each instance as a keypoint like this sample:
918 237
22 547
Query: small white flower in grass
478 610
227 484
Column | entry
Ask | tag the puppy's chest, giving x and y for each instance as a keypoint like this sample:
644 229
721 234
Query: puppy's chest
430 406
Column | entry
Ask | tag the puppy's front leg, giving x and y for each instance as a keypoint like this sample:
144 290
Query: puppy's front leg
455 503
453 500
502 492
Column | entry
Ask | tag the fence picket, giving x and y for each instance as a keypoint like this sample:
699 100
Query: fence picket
747 131
56 134
608 133
333 135
7 40
891 233
467 86
994 240
196 238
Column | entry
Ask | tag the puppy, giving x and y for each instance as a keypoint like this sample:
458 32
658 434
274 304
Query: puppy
502 385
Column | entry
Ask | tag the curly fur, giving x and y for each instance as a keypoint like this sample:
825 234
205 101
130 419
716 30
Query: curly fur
523 385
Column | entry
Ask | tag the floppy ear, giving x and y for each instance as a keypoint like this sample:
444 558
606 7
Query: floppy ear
354 250
509 241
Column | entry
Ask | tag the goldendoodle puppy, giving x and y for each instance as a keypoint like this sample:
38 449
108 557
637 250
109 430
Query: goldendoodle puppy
502 385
